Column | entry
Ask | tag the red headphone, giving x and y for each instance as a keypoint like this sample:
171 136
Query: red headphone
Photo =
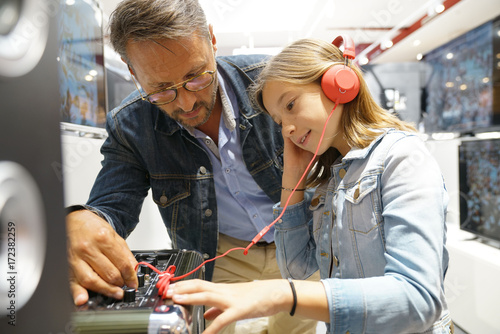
340 83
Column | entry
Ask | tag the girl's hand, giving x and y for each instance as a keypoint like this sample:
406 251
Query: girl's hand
295 159
232 302
238 301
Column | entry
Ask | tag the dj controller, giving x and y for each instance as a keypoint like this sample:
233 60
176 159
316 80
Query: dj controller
142 310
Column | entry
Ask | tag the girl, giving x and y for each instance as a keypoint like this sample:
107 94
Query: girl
375 226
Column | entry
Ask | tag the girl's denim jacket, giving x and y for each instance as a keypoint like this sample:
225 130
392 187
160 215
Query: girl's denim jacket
148 151
376 231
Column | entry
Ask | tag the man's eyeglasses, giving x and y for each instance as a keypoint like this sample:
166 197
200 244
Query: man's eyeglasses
167 95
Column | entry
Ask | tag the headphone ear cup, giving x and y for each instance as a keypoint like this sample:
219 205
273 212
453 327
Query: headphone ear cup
340 83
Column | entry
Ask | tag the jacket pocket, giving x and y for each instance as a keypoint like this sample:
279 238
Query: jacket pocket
166 192
317 207
363 204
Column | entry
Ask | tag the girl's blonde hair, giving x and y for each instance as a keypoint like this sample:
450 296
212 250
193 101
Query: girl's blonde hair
304 62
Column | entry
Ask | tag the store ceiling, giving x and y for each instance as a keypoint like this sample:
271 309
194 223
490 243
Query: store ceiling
249 24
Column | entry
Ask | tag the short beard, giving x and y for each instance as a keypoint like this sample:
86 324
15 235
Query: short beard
208 107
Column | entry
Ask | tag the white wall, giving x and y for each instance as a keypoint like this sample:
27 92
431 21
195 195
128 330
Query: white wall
81 163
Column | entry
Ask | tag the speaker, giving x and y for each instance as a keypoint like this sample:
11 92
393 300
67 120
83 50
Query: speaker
340 83
34 289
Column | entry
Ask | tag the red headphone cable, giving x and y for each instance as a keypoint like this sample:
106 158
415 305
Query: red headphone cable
168 276
266 229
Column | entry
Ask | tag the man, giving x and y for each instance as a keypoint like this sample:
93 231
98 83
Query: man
191 136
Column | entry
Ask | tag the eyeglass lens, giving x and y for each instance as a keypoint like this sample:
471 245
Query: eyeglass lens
196 84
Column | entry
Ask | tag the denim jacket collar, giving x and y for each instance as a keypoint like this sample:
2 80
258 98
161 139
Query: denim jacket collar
361 153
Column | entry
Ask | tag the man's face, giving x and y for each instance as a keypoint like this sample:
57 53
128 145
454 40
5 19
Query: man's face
164 63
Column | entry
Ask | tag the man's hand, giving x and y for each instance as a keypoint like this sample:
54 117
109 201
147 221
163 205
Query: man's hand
99 259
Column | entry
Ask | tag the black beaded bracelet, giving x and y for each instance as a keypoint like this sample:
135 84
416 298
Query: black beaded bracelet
294 293
291 189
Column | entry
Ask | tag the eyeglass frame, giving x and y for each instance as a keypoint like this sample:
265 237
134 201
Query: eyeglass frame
174 87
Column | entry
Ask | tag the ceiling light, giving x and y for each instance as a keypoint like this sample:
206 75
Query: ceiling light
419 56
388 44
449 55
363 61
417 42
439 8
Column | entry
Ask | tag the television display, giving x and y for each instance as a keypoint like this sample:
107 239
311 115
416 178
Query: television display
81 63
479 170
119 83
462 92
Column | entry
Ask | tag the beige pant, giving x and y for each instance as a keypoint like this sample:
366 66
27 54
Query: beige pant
259 264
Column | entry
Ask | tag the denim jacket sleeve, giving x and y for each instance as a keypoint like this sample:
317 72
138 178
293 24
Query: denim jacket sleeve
295 246
122 183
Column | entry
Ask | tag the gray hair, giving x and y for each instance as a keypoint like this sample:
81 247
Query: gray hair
143 20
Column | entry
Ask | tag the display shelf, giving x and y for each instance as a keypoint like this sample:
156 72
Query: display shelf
472 282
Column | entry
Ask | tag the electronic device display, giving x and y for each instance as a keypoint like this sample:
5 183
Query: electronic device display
142 310
463 89
479 169
81 64
119 83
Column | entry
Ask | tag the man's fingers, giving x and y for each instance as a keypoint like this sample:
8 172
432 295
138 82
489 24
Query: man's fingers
79 293
106 270
97 244
122 258
83 277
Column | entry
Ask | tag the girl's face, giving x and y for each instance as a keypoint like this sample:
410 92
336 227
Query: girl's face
302 111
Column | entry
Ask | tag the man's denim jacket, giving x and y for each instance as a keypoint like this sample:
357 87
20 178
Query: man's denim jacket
376 231
147 150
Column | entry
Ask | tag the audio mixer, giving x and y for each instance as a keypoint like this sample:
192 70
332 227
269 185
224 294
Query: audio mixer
142 310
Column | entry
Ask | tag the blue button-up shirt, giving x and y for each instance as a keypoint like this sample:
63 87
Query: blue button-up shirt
244 209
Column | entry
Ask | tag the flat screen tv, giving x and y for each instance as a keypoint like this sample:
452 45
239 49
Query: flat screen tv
119 82
81 64
479 170
463 86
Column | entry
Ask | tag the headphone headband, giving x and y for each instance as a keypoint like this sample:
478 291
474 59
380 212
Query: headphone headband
349 48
